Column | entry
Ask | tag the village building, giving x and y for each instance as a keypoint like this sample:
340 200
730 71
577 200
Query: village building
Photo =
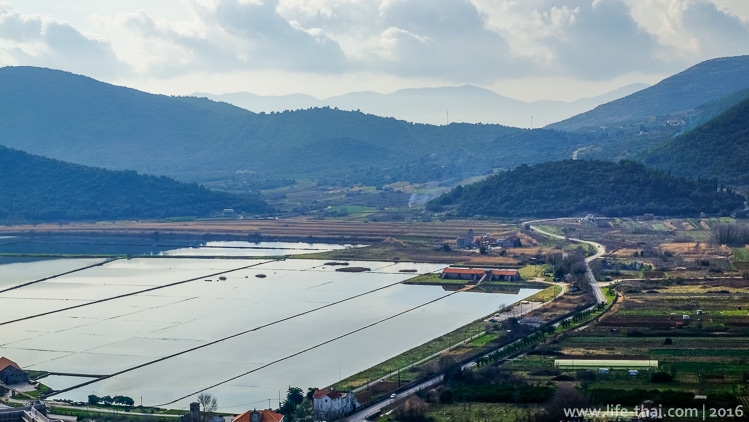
259 416
478 274
36 412
504 275
332 404
509 242
11 373
466 242
470 274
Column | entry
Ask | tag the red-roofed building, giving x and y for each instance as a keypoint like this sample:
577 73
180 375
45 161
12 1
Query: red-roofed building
472 274
476 274
504 275
332 404
259 416
11 373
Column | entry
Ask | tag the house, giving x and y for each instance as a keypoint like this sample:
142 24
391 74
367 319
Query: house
332 404
466 242
510 242
479 274
11 373
36 411
504 275
472 274
259 416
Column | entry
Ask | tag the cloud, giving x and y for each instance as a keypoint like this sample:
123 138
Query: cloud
587 39
229 35
693 30
41 41
714 31
445 41
603 40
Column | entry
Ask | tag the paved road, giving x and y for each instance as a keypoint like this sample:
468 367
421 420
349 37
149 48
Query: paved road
371 410
600 250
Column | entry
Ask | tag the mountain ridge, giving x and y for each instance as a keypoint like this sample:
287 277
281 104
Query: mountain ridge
42 189
431 105
700 84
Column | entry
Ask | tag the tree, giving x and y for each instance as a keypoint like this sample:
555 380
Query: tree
565 397
208 404
413 409
93 399
294 397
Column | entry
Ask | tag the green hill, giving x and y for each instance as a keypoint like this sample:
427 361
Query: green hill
717 149
77 119
41 189
700 84
570 188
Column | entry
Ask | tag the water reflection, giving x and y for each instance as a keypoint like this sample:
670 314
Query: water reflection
216 330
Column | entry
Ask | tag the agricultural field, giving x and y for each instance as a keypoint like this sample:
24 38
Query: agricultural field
658 248
696 330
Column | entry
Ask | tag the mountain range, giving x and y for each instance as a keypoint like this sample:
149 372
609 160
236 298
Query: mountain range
437 106
76 119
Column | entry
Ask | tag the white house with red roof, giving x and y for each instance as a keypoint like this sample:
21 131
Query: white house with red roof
332 404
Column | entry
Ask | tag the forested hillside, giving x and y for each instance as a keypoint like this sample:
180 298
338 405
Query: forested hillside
41 189
700 84
718 149
578 187
77 119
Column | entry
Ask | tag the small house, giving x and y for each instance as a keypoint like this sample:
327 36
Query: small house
471 274
11 373
329 403
603 370
504 275
510 242
259 416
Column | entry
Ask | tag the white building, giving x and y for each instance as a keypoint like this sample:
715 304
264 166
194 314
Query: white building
331 404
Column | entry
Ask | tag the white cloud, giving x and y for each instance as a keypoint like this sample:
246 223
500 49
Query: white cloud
43 41
415 42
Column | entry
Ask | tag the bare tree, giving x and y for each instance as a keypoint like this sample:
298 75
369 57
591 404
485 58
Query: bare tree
208 405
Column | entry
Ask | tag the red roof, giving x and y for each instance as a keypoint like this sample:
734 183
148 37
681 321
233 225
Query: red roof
333 394
5 362
505 272
468 271
265 416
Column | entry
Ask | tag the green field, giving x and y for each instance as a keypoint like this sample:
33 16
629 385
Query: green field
741 255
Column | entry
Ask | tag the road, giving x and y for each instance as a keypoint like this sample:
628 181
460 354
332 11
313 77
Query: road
361 415
600 250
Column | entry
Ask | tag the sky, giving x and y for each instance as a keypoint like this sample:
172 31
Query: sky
524 49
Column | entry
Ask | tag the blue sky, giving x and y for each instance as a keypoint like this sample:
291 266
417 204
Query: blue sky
525 49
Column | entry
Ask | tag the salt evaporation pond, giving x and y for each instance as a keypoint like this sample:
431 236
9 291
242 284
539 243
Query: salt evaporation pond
185 304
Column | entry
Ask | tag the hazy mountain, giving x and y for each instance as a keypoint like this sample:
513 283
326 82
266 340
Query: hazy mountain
578 187
439 106
77 119
700 84
717 149
38 189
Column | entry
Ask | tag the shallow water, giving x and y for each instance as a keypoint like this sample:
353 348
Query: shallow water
279 322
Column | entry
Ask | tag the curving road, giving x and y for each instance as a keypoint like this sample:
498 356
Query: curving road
600 250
